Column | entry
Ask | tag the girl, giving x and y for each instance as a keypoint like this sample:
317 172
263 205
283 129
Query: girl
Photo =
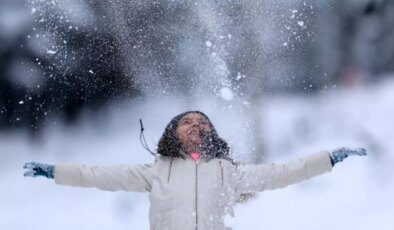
193 183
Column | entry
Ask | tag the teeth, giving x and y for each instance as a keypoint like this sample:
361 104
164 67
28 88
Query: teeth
193 132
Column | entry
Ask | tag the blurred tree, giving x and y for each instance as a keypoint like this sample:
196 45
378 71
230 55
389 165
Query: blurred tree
361 35
61 66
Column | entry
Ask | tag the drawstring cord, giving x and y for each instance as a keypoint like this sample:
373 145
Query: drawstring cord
143 140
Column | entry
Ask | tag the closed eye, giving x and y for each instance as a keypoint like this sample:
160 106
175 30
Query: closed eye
186 122
204 122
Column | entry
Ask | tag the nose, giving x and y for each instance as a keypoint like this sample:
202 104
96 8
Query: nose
196 123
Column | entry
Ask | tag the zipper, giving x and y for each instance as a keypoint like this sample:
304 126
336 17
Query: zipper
196 195
169 170
221 172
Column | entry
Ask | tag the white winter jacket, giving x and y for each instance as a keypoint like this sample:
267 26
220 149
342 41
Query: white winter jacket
188 196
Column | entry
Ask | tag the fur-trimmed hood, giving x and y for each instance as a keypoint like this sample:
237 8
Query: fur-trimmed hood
170 146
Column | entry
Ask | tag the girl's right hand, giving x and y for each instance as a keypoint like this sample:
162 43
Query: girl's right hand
35 169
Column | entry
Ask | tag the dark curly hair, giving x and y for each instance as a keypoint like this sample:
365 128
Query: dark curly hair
170 146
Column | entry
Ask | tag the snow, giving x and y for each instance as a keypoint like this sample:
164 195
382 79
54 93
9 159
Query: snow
246 103
356 195
240 76
300 23
208 43
51 52
226 93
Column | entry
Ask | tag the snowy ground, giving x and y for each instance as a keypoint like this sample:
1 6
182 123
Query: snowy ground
356 195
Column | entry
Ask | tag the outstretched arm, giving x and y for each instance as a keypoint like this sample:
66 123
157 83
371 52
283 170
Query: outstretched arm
255 178
136 178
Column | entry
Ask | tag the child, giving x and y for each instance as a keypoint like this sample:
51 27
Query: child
193 183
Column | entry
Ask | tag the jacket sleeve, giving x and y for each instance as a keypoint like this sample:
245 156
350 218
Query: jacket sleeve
137 178
255 178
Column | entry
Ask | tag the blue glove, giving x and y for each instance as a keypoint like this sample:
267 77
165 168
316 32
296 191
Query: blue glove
339 154
37 169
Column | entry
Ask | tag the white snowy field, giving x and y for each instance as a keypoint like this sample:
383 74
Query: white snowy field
358 194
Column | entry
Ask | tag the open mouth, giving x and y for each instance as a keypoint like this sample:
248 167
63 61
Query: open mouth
195 135
193 132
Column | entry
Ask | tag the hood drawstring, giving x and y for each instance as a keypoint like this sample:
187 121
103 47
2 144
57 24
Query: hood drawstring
143 140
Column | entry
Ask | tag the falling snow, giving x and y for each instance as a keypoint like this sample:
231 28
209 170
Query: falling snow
300 23
226 94
51 52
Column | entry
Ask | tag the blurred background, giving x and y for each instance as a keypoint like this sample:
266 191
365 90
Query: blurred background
279 79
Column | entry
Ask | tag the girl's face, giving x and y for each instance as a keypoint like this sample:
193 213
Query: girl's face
189 128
